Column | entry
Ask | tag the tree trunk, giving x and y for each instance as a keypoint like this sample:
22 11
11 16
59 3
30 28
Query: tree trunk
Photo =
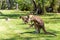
37 8
2 5
16 6
52 7
8 3
43 7
59 9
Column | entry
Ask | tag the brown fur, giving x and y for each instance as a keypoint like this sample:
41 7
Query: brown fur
38 24
24 18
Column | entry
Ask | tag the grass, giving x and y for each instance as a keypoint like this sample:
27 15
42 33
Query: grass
15 29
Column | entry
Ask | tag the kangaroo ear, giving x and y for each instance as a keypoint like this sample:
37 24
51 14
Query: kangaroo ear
20 17
28 16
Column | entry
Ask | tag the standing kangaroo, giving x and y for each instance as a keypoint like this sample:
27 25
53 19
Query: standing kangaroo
38 24
24 18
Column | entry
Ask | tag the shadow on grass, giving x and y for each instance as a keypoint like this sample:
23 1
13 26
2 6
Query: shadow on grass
55 18
37 33
22 23
33 32
49 14
52 20
20 38
14 16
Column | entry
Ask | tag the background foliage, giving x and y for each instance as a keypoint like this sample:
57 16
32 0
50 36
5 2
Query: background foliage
27 5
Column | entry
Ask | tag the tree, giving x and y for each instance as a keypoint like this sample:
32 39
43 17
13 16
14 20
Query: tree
10 3
2 4
52 7
37 7
58 6
59 9
24 5
43 7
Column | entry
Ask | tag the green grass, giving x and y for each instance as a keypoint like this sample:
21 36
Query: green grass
15 29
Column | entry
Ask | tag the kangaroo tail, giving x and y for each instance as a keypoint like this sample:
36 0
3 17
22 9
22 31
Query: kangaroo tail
51 33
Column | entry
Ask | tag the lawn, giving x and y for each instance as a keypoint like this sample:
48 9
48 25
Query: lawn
15 29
